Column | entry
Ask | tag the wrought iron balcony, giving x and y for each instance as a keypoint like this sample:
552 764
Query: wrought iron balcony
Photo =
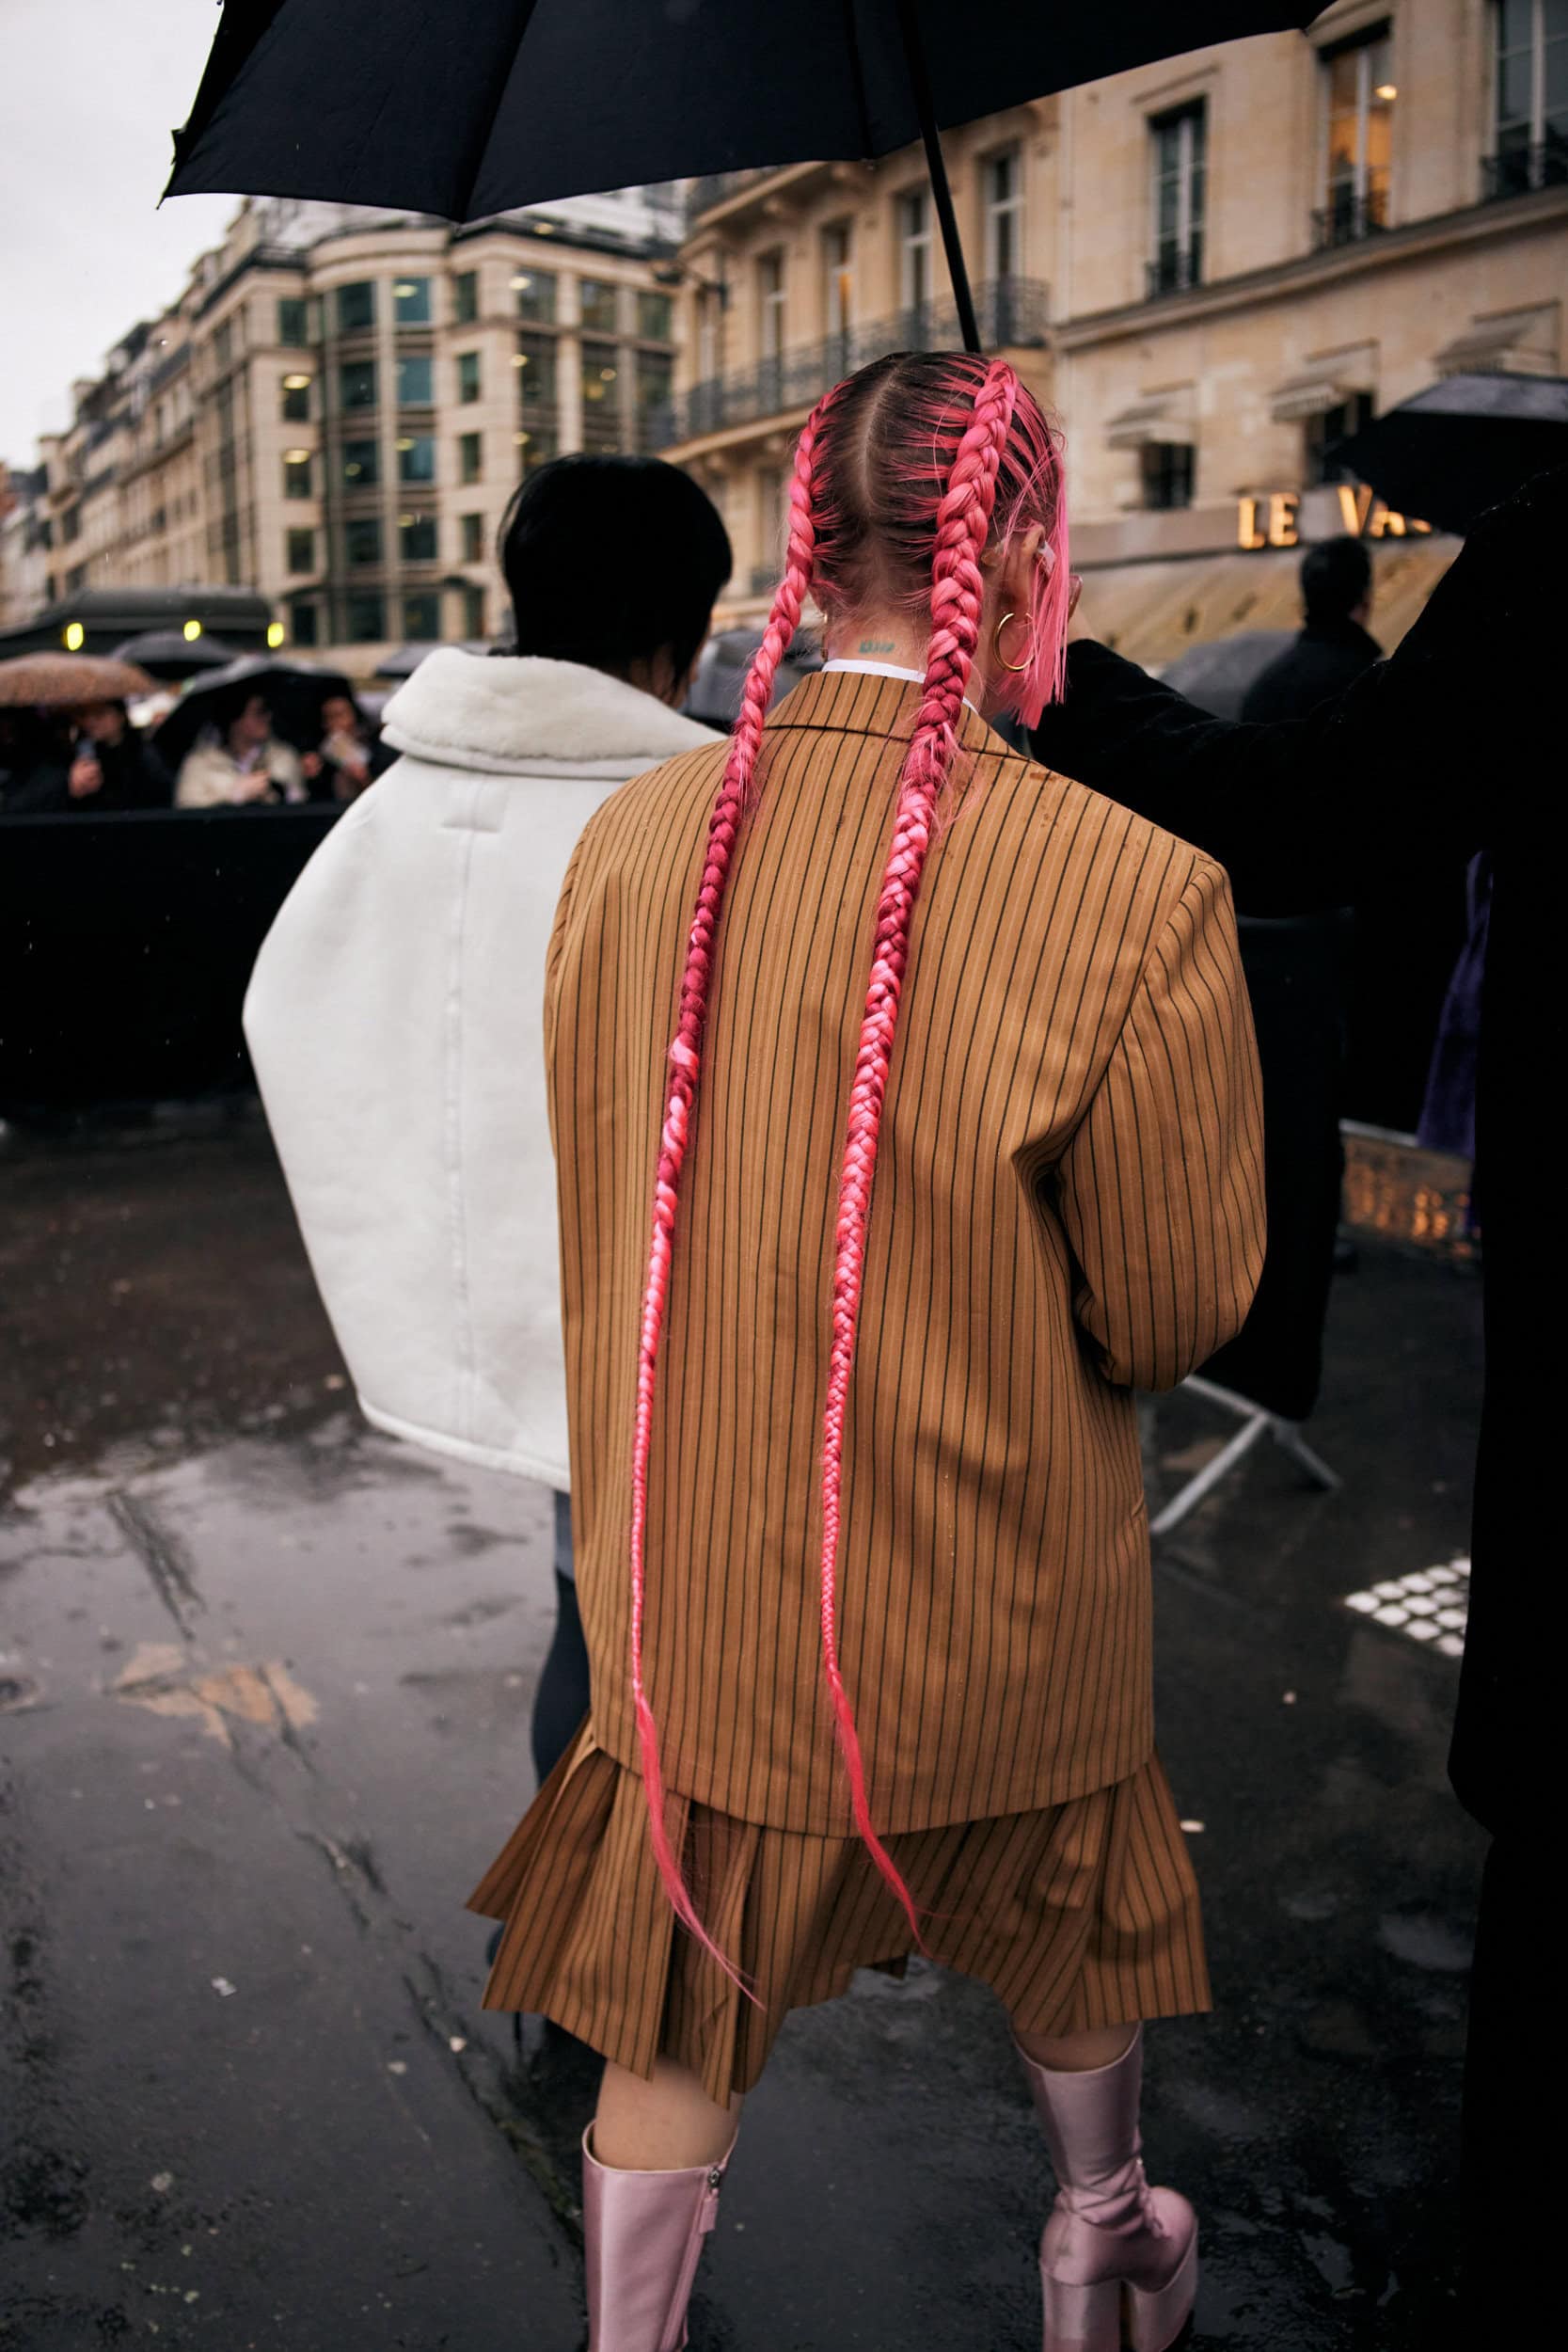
1175 269
1347 218
1012 312
1520 170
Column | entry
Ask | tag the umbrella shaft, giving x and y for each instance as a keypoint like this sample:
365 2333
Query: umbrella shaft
919 81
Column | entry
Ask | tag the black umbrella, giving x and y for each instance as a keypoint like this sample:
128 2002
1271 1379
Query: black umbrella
404 659
469 109
166 654
1217 676
1462 445
715 695
293 691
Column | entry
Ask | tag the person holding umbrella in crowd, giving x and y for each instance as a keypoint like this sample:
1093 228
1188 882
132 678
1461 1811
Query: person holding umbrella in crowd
348 756
113 765
237 761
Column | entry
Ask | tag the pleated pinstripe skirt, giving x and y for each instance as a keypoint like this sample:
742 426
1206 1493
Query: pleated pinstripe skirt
1079 1915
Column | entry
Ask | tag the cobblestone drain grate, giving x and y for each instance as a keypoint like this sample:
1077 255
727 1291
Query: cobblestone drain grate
1430 1606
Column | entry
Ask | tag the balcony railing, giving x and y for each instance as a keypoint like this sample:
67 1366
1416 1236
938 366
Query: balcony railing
716 187
1347 218
1011 311
1520 170
1175 269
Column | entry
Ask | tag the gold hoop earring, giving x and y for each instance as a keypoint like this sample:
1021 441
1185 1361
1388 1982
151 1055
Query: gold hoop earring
996 640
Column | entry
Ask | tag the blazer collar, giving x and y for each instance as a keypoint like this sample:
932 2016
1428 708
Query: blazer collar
850 702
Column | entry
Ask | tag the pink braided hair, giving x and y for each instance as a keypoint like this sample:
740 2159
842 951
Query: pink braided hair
685 1066
958 593
830 545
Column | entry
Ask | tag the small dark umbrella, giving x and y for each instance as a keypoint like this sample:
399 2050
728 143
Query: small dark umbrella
1217 676
715 695
475 106
1462 446
166 653
293 690
404 659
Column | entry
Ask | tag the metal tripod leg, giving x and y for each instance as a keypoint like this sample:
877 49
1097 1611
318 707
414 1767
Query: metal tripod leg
1256 1422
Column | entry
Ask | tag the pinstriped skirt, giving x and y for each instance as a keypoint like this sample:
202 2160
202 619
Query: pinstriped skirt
1082 1913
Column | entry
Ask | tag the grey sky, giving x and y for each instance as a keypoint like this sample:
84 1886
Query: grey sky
89 91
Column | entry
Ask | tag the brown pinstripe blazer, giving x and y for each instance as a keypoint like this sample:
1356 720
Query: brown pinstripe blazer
1069 1204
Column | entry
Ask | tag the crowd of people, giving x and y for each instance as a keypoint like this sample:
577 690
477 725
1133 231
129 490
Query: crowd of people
93 760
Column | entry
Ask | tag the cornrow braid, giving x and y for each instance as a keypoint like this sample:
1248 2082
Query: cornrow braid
685 1056
958 590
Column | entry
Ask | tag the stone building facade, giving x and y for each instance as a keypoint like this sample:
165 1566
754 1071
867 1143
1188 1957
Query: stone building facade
341 404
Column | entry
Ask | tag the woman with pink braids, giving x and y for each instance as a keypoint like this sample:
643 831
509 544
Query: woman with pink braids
906 1115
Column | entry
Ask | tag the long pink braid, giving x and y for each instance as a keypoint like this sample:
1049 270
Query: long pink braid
685 1065
963 523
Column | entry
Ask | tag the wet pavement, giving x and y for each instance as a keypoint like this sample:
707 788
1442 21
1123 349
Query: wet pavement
264 1686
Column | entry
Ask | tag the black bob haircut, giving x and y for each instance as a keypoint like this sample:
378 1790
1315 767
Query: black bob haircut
1335 578
608 559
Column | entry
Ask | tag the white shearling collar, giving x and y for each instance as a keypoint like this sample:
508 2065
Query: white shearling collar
524 715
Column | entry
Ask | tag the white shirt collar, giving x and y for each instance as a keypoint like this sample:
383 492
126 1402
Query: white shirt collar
886 669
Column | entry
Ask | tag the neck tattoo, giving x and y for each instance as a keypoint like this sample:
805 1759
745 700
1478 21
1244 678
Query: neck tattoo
875 645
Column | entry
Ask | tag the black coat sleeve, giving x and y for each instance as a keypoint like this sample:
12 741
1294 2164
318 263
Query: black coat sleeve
1425 759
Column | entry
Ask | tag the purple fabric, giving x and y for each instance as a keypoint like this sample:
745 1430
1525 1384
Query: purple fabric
1447 1121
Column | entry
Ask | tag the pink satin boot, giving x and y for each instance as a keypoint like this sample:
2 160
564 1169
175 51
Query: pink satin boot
1119 2261
643 2236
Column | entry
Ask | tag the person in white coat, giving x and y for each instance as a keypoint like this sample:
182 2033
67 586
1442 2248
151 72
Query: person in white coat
395 1016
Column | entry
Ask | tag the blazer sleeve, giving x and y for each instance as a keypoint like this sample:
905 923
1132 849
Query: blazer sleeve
1161 1188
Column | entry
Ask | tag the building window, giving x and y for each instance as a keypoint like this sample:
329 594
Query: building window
361 465
465 298
417 538
1168 471
362 539
416 382
1178 153
473 538
535 293
355 308
535 446
1532 103
467 377
771 294
298 473
912 210
421 619
838 279
293 318
1001 177
1358 94
1321 431
654 318
474 615
302 550
304 623
656 391
598 307
417 457
357 387
295 407
470 461
411 301
601 397
534 360
365 618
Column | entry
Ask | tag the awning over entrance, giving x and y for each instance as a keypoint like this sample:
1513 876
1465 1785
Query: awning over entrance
1152 611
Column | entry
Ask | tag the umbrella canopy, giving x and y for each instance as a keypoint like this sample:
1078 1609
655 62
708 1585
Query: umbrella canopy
66 681
715 696
1462 445
470 108
1218 675
404 659
294 691
168 653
